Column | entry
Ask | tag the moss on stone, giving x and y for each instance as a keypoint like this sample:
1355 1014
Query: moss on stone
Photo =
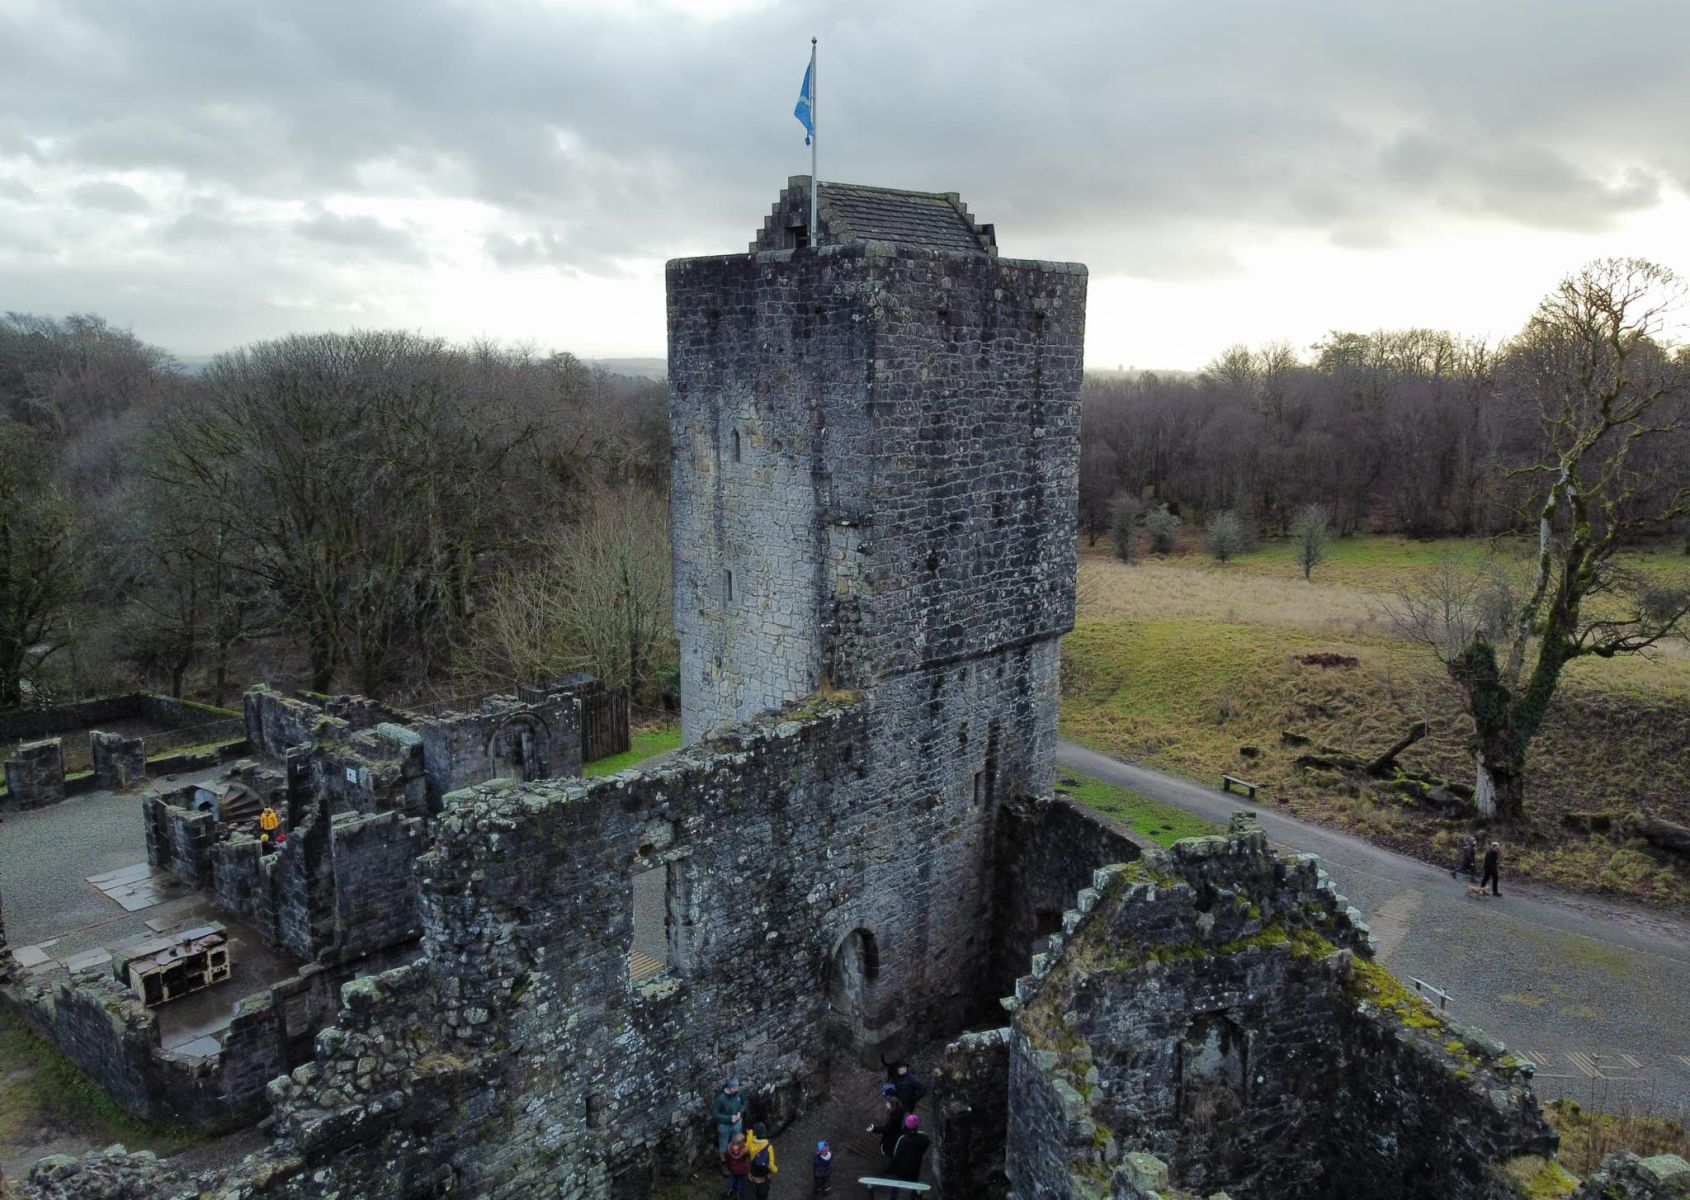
1373 984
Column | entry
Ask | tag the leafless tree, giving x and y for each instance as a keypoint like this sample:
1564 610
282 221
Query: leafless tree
598 597
1311 534
1597 367
38 561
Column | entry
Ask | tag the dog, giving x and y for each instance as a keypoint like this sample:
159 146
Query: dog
1477 891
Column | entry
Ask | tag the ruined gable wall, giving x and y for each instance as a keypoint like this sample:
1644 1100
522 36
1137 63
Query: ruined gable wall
1215 1007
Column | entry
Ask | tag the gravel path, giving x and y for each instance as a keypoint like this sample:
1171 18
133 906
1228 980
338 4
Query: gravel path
1594 991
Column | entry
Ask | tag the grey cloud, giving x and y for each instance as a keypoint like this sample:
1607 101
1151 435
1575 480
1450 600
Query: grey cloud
362 233
108 195
1155 139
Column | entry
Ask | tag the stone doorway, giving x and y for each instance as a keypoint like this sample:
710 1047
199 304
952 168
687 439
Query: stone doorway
516 751
855 1008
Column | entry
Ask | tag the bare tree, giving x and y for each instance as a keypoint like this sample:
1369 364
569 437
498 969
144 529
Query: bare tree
598 597
1596 365
38 562
1311 534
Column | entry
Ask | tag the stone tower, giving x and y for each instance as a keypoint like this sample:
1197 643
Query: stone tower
874 452
875 440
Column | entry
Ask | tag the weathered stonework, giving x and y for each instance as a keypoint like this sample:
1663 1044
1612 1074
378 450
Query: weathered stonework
1216 1008
118 761
35 774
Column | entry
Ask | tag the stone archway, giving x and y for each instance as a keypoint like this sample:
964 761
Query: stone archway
517 750
854 1007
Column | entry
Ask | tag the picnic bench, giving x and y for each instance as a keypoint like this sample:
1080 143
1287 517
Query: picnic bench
1228 782
873 1182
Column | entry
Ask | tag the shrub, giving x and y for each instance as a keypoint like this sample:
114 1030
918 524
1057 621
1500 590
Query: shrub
1163 527
1228 537
1123 527
1311 531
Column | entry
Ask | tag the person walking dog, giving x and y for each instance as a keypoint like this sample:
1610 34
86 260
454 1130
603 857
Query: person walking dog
1493 863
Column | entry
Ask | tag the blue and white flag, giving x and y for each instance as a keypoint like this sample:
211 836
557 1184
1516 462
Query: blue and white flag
805 112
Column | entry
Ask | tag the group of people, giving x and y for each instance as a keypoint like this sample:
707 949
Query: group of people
1469 860
748 1155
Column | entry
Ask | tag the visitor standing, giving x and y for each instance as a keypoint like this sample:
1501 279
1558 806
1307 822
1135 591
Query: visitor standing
739 1165
763 1168
906 1084
729 1114
1493 865
822 1166
909 1150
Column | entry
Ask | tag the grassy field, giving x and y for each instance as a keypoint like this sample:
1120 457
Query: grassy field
1197 668
643 744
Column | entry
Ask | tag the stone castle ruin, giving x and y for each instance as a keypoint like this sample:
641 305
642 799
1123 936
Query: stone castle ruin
858 850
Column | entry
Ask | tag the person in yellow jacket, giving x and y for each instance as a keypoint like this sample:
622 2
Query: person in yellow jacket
763 1169
268 820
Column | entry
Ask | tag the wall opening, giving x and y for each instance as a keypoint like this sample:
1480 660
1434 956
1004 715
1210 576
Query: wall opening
649 956
728 586
662 942
980 787
852 983
516 751
736 445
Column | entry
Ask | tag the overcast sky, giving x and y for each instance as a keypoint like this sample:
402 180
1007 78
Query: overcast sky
212 173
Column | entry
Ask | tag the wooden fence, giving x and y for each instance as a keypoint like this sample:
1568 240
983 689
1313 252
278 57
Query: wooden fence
604 723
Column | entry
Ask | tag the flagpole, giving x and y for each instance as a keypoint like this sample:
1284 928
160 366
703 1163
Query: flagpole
815 132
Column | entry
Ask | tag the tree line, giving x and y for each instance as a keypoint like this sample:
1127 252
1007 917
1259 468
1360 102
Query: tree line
1411 431
338 510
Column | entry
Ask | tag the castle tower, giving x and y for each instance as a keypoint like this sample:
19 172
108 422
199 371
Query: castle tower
875 445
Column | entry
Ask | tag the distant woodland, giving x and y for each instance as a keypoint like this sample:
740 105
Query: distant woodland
380 511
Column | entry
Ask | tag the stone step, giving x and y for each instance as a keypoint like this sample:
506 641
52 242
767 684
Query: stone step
642 966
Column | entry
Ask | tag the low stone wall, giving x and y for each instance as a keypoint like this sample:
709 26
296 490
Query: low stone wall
119 761
90 714
114 1039
35 774
179 840
375 889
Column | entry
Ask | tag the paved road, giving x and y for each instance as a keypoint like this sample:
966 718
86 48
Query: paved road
1597 993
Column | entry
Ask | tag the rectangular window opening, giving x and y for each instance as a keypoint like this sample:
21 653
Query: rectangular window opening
982 792
649 957
736 445
728 586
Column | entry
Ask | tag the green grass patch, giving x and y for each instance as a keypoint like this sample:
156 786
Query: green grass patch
1162 823
641 746
44 1096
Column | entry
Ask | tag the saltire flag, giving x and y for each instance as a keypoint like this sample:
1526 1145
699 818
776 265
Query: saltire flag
805 112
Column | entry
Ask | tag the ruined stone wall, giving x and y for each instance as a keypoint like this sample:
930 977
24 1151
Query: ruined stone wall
461 749
971 1117
375 897
1047 850
100 1026
118 761
873 460
179 840
35 774
776 843
1216 1008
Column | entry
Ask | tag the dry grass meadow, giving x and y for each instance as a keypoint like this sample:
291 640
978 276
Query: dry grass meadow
1195 668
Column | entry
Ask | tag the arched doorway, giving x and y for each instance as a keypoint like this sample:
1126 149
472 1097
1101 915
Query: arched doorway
853 973
517 750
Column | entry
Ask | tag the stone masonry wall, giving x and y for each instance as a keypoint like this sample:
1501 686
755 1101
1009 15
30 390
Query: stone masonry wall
375 898
1216 1008
873 460
777 842
35 774
1047 850
461 749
